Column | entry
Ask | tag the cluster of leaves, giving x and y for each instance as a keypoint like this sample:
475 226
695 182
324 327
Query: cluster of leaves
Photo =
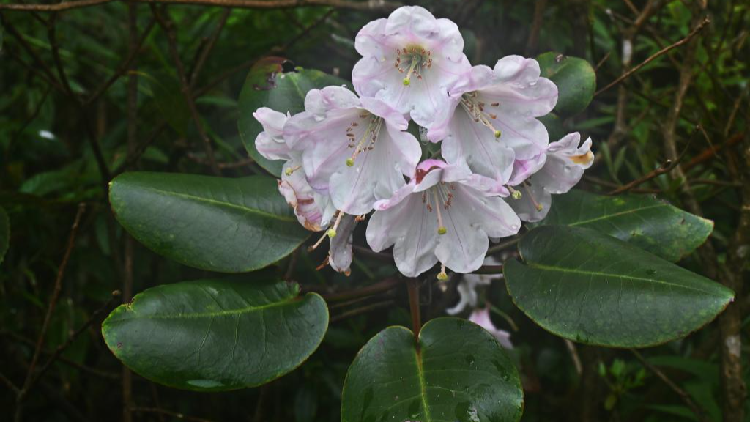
599 270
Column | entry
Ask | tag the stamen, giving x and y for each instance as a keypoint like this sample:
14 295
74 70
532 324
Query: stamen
443 276
475 109
367 142
315 246
516 194
291 170
537 205
323 264
332 231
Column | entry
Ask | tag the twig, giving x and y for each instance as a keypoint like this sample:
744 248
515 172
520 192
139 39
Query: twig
362 310
574 356
94 317
9 383
666 167
125 66
63 359
140 149
503 246
416 320
240 4
206 51
684 396
536 26
132 121
166 24
33 116
370 290
50 309
39 62
292 264
489 269
177 415
608 184
101 163
655 56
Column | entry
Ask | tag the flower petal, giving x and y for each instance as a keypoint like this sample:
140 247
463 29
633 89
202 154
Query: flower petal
270 143
412 229
340 255
475 145
534 202
376 173
313 210
565 164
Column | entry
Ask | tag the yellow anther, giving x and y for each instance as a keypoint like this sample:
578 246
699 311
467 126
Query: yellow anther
442 276
289 172
349 162
516 194
331 233
442 230
498 134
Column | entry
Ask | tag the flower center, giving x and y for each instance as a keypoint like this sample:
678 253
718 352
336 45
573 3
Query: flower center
369 136
413 60
470 102
437 197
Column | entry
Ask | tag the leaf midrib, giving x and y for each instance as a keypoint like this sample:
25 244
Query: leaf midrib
544 267
230 312
617 214
422 385
220 203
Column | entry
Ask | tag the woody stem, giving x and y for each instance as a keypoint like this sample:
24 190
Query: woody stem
416 321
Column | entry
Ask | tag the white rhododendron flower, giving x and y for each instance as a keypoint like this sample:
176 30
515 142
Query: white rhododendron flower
348 154
492 120
444 214
563 168
408 61
355 149
313 209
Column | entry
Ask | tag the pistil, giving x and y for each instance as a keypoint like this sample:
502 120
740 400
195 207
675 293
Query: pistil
414 62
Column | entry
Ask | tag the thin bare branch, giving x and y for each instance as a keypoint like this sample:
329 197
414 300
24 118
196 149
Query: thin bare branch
655 56
239 4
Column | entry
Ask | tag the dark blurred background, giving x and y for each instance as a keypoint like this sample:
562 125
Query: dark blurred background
87 93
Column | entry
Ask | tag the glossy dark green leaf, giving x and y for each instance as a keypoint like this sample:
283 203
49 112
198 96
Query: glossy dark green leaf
590 287
554 127
266 86
4 233
642 220
460 373
217 334
218 224
575 80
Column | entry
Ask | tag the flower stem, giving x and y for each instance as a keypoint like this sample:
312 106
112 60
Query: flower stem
416 320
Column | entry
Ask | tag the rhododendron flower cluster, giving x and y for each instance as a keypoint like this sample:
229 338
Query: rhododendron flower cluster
349 153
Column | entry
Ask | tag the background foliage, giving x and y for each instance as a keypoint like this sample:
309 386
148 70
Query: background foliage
92 92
